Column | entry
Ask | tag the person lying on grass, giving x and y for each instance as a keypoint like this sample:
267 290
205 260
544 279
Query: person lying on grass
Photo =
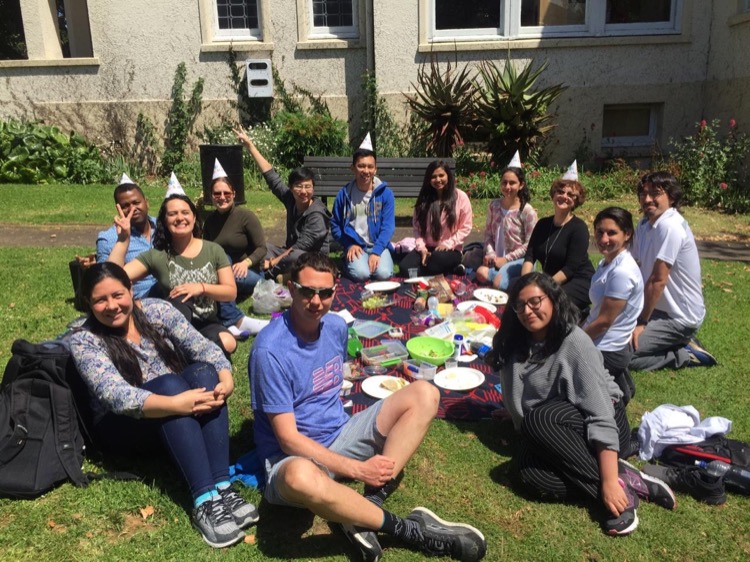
156 384
308 443
567 408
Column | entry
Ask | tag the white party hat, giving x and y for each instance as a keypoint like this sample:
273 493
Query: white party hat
515 162
174 187
125 179
218 171
572 172
367 143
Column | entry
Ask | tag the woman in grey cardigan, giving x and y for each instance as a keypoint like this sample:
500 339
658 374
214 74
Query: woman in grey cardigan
567 408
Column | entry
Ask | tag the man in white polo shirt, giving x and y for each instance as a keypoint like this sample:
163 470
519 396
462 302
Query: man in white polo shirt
673 308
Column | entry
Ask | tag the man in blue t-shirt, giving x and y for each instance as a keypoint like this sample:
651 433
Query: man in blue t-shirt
307 441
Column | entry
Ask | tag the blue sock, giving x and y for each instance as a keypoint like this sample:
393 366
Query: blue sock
203 498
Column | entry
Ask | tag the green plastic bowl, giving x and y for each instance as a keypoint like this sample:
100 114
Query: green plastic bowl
430 350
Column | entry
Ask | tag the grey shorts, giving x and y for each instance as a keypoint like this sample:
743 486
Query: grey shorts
359 439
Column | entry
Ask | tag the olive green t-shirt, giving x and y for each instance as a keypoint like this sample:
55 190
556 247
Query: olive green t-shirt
171 271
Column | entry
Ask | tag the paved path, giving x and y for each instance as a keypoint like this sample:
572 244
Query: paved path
85 236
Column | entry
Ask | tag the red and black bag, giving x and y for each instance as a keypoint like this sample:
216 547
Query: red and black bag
716 448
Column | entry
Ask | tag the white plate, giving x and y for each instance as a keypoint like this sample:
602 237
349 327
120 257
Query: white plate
382 286
459 378
371 386
466 305
418 279
492 296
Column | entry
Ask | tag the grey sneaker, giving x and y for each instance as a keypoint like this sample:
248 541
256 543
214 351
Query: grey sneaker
648 487
216 524
365 540
702 486
627 522
443 538
244 513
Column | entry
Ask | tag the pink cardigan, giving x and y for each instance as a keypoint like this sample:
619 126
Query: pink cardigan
453 240
515 227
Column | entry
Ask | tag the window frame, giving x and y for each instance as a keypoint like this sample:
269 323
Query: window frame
634 141
316 33
245 34
593 27
210 42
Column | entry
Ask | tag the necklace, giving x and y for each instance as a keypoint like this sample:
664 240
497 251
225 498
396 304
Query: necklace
548 246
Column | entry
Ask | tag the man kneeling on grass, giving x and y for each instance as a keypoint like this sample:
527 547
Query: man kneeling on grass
308 442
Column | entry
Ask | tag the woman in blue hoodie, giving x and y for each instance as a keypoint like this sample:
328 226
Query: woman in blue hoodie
364 221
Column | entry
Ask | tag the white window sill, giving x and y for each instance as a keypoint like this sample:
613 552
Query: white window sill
314 44
550 43
238 46
24 63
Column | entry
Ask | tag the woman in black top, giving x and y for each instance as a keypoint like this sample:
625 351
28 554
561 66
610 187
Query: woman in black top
561 242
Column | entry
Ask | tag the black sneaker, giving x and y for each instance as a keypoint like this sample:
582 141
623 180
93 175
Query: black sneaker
460 269
365 540
627 522
443 538
692 480
648 487
244 513
698 356
216 524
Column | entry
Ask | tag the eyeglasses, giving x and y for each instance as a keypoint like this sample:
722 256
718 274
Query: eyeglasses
220 194
569 194
303 187
534 303
309 292
655 194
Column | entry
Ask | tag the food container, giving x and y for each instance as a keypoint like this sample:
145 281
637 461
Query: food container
346 388
431 350
375 370
427 371
389 352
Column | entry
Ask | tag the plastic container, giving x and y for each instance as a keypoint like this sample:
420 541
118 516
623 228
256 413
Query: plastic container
389 352
734 476
370 328
346 388
427 371
430 350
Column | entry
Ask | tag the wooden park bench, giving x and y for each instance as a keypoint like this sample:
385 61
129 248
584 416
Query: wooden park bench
404 176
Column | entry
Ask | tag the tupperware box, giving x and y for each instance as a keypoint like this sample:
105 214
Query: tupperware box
389 352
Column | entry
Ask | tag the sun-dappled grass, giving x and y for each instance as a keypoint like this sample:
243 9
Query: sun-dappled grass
461 471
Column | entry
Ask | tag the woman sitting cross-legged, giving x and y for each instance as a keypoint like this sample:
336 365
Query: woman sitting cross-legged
192 272
567 408
156 384
442 221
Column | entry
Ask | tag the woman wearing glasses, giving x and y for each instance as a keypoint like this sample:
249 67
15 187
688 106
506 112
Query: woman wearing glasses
308 221
567 408
560 243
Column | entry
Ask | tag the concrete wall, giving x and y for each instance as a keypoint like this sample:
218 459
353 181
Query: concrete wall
137 45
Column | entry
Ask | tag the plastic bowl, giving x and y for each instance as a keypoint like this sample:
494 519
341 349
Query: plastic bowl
430 350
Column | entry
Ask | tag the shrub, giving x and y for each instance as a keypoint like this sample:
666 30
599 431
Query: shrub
180 119
390 139
299 134
710 167
38 153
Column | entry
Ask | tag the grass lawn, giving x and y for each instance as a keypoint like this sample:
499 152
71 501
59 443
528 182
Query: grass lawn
461 471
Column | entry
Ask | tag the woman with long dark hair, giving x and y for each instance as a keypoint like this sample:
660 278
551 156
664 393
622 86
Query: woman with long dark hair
155 383
510 222
567 407
442 220
616 295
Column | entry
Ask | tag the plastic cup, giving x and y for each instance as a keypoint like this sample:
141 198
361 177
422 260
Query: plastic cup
451 363
413 272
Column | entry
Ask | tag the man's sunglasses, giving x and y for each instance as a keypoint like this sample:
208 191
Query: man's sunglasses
309 292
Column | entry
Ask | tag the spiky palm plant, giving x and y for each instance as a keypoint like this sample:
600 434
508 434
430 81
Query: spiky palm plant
510 112
445 101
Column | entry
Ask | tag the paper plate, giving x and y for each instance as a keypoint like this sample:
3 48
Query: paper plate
492 296
371 386
412 280
382 286
466 305
459 378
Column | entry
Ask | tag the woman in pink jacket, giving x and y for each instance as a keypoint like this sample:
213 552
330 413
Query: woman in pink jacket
442 221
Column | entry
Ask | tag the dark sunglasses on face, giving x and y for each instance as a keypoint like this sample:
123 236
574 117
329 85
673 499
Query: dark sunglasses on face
569 194
220 194
309 292
534 303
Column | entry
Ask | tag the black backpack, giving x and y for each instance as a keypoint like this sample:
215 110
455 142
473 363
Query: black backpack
715 448
41 440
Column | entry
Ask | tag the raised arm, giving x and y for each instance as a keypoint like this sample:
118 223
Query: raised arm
260 160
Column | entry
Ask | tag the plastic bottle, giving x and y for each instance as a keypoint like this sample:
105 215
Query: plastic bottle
458 343
420 304
734 476
432 305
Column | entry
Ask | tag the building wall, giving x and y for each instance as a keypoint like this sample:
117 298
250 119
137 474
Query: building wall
700 72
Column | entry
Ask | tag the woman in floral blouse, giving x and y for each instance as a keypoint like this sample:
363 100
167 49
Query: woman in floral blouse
156 384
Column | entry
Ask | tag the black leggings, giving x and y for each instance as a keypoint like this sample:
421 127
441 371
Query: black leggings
555 458
437 262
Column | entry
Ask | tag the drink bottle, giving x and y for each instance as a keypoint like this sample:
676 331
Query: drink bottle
734 476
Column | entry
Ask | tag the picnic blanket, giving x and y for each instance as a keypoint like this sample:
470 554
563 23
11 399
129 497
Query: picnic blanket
472 405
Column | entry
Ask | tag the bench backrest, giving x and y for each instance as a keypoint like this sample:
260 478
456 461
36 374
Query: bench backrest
403 175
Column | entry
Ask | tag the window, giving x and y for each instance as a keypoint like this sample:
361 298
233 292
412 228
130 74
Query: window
629 125
237 19
333 19
450 20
